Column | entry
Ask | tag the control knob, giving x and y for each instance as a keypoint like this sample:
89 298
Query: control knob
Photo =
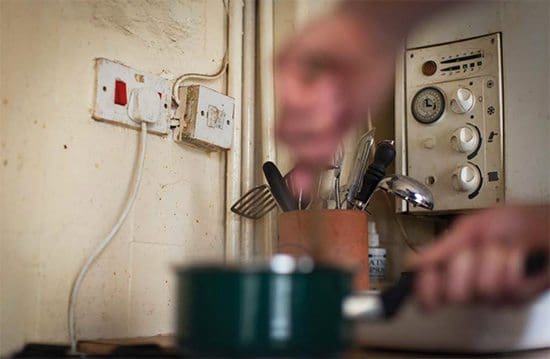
465 139
462 101
466 178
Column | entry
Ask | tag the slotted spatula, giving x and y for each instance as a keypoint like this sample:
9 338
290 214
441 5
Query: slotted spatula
255 203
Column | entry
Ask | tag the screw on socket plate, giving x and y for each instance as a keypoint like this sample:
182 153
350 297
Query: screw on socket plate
490 84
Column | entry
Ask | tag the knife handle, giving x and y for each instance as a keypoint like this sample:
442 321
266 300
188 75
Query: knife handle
385 154
279 188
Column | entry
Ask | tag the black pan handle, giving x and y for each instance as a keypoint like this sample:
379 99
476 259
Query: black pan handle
278 187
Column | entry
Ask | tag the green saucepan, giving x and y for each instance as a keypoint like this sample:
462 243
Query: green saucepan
287 308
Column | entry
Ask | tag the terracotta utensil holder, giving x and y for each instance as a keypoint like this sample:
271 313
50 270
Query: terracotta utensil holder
335 237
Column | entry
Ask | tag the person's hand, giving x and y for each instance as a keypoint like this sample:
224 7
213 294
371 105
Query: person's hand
482 257
326 79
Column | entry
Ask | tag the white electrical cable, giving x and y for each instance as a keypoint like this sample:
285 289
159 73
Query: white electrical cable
404 234
179 81
101 247
195 75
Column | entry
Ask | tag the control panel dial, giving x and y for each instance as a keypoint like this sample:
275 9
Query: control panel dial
428 105
465 139
462 101
466 178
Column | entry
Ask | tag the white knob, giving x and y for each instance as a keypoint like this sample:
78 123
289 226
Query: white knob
466 178
462 100
465 139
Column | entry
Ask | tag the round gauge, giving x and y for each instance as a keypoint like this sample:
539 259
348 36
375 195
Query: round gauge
428 105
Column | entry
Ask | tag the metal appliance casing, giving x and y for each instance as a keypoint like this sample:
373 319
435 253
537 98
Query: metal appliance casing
426 151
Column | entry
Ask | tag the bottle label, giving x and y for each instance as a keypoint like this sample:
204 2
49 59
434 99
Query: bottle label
377 266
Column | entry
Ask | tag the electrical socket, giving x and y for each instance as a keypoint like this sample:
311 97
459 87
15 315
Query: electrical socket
114 85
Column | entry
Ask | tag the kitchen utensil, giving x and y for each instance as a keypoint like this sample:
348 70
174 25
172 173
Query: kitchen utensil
360 163
338 160
383 157
286 308
279 188
408 189
373 306
255 203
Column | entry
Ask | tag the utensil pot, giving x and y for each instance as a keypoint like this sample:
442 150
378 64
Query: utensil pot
331 236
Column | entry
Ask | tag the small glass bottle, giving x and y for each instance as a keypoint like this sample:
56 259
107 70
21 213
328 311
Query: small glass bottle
377 259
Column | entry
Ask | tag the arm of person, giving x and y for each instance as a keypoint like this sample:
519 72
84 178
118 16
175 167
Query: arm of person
483 257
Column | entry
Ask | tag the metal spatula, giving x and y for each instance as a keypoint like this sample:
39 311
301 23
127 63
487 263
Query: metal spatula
255 203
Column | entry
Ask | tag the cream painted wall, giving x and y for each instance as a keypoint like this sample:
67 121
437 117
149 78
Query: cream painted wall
64 176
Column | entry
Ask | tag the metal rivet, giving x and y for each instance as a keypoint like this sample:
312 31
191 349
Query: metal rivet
490 84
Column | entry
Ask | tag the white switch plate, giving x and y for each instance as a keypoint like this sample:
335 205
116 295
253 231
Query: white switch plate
206 118
105 109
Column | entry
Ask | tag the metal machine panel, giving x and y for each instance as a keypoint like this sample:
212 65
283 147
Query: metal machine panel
453 132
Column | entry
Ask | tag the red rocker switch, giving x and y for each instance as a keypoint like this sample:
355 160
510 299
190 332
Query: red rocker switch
120 93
